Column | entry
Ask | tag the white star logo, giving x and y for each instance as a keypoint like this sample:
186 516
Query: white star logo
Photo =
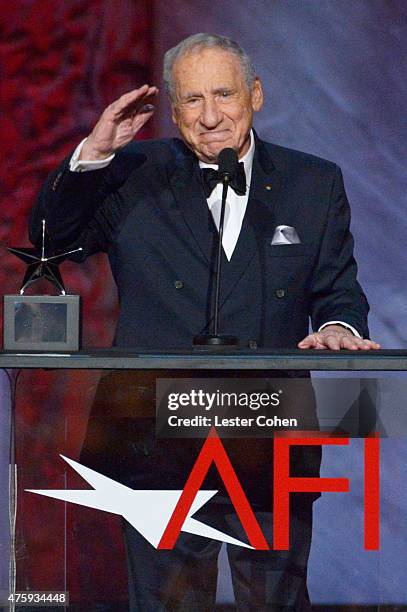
148 511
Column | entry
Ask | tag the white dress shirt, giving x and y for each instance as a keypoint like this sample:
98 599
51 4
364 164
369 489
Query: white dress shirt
235 204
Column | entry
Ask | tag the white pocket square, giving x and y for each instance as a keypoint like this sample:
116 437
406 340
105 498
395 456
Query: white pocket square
285 234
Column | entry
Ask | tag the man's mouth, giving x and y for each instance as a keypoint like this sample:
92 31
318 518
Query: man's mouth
218 136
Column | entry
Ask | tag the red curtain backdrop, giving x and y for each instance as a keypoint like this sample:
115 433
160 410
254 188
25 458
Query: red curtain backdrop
62 63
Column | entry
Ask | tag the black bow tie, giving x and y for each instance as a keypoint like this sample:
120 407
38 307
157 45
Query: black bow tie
212 177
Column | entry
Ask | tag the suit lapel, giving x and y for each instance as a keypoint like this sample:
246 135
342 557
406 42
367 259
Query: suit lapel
259 220
258 223
266 183
185 180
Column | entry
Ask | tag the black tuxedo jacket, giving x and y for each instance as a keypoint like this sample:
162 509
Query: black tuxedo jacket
148 211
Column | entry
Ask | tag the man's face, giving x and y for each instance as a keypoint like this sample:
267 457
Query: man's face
213 106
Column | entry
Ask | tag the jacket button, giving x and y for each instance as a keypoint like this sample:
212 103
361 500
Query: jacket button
280 293
178 284
252 344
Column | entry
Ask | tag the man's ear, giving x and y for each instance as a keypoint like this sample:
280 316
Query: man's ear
257 95
174 113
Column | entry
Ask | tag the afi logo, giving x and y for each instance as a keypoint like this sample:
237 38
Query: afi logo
161 515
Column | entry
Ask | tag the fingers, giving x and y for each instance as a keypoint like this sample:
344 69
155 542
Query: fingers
370 344
336 341
133 102
311 342
119 123
142 117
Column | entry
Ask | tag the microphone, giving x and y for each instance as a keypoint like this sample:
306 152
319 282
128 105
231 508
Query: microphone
227 162
227 168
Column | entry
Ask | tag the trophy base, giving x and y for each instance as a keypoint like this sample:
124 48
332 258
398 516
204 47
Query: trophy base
41 323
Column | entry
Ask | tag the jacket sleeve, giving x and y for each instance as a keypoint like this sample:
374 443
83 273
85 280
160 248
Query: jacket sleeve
336 293
68 201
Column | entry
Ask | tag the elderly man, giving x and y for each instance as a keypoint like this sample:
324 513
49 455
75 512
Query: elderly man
288 258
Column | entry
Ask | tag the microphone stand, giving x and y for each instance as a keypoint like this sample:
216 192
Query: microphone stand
216 340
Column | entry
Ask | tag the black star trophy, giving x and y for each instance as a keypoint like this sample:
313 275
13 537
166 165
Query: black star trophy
42 322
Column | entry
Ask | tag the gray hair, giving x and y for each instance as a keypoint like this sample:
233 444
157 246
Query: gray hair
205 41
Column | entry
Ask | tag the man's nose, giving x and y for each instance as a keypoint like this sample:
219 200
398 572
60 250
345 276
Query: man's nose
211 115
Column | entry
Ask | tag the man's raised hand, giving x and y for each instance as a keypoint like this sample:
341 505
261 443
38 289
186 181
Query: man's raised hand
119 123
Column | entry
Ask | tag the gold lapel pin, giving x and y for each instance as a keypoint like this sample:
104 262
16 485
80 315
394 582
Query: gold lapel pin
268 187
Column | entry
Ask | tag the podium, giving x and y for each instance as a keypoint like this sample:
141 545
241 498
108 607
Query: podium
55 546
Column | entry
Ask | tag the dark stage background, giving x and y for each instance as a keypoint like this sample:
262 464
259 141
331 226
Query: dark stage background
335 79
